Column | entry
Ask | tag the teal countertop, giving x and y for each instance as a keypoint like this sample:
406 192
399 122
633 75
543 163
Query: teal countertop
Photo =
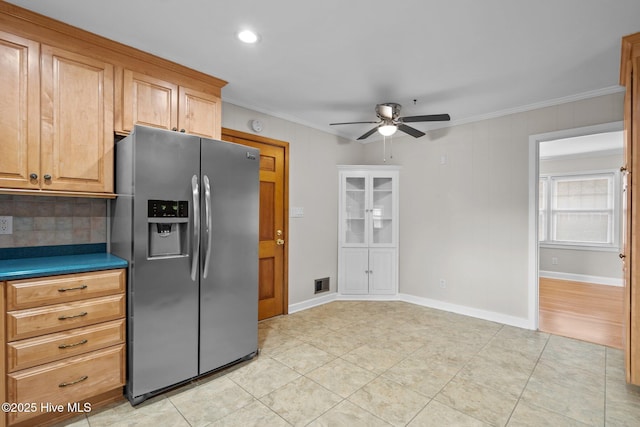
38 266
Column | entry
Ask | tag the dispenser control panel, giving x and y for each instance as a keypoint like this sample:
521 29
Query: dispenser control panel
168 209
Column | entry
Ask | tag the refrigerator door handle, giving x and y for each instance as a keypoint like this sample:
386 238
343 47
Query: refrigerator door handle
196 227
208 219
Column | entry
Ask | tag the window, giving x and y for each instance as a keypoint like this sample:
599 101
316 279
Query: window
579 210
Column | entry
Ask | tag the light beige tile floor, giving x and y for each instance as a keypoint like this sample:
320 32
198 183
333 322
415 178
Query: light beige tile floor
351 363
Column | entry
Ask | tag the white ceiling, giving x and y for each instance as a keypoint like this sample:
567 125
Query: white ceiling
333 60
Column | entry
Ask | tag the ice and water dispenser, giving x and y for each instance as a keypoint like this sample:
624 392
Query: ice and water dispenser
168 228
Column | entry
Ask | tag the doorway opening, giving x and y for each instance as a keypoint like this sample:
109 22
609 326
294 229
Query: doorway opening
576 227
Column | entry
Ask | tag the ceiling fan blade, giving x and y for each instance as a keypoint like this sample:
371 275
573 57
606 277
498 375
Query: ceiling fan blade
411 131
368 134
350 123
427 118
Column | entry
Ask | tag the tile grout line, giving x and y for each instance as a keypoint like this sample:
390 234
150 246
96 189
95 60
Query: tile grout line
529 379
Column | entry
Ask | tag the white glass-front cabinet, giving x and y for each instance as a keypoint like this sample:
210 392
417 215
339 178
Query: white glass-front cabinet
368 230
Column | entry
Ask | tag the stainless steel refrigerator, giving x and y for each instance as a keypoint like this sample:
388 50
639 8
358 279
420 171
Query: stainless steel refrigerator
186 220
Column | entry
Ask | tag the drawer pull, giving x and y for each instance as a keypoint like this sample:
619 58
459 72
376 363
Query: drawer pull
73 345
79 380
72 289
84 313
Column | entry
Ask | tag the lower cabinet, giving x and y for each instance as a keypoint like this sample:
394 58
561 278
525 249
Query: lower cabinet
368 271
64 345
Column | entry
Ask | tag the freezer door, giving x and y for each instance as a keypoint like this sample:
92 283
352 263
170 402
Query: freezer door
163 298
229 252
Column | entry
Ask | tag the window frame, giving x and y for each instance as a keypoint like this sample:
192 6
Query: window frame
546 185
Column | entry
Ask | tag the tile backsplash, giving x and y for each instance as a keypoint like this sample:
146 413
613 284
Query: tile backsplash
45 221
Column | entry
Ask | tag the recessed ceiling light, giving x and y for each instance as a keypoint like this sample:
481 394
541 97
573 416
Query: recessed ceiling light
248 36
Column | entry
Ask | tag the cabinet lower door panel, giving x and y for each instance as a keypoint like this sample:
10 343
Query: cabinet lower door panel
382 271
60 385
354 271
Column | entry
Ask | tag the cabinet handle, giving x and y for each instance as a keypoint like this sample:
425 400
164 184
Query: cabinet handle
73 289
84 313
33 176
73 345
79 380
47 177
182 130
174 129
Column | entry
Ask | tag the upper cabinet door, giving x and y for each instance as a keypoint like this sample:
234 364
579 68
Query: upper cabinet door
148 101
383 210
19 111
77 122
199 113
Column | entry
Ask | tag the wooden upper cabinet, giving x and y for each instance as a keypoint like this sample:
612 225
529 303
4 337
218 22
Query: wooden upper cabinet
200 113
154 102
148 101
77 122
19 111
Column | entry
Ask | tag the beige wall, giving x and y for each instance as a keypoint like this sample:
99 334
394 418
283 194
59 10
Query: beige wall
466 221
313 179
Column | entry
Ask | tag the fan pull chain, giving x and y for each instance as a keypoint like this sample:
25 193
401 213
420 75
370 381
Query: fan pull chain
384 148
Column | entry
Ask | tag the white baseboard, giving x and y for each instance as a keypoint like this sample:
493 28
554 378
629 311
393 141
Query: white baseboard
425 302
313 302
598 280
492 316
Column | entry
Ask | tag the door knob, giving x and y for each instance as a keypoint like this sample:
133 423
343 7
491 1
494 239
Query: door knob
279 242
622 256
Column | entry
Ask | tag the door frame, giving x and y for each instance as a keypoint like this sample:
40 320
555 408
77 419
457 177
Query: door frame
226 132
534 173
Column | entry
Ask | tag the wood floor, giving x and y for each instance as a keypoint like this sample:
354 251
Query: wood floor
584 311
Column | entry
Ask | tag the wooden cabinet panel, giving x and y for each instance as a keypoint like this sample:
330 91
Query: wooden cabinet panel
199 113
41 291
148 101
59 317
47 348
77 122
19 111
67 381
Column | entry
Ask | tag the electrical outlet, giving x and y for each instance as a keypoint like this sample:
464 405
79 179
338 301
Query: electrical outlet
6 225
443 283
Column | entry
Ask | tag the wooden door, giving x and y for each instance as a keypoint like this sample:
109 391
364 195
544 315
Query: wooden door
148 101
19 111
274 176
77 122
199 113
630 78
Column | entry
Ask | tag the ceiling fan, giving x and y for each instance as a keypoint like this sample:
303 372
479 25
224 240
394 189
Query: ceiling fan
389 121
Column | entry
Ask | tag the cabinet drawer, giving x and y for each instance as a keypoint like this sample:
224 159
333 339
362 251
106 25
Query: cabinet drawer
48 348
70 381
60 317
41 291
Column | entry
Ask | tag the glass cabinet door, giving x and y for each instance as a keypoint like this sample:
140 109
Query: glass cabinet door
354 215
382 210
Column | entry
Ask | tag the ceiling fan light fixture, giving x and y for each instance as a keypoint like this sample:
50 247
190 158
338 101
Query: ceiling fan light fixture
387 130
